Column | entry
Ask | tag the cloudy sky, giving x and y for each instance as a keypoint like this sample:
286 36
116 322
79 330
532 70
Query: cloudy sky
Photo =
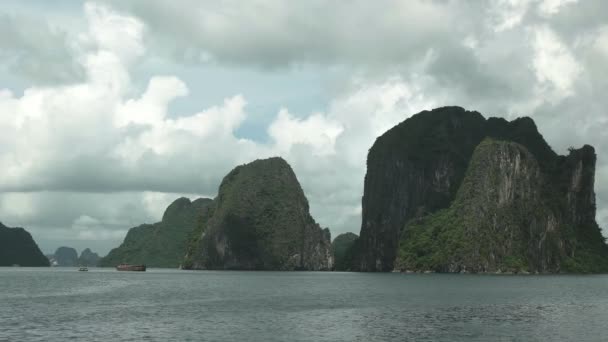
110 110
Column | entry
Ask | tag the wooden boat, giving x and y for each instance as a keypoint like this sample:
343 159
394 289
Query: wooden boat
128 267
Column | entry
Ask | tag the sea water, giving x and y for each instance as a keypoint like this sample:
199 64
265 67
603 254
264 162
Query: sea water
60 304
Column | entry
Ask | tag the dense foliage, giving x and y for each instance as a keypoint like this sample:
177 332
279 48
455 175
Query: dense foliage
17 247
417 168
343 250
259 220
162 244
484 230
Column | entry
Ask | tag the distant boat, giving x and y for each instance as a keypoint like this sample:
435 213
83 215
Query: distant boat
83 269
134 268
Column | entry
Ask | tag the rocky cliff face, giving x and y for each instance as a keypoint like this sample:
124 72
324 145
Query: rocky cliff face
405 180
579 172
161 244
498 221
66 256
343 248
418 167
260 221
17 247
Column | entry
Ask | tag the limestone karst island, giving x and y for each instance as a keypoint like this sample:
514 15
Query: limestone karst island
446 191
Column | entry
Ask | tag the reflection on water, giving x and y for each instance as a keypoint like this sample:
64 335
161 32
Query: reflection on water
162 305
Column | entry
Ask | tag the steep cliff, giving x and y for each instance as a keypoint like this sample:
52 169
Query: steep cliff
65 256
260 221
501 220
413 169
17 247
161 244
418 167
343 250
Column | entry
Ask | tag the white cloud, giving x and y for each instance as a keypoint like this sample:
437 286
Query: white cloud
315 130
121 35
551 7
16 205
34 48
151 107
87 228
554 64
507 14
295 32
601 42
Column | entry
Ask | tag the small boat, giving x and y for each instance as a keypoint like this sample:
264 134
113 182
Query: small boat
83 269
128 267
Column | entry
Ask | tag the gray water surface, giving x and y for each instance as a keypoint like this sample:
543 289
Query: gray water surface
59 304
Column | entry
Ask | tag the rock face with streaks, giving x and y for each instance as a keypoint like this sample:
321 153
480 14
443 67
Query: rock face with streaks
449 191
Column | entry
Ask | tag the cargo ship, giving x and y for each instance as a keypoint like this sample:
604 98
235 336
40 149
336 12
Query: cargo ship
134 268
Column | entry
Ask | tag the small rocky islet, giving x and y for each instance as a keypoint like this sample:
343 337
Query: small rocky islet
446 190
68 257
88 258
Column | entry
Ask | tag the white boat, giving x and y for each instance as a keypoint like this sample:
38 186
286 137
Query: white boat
83 269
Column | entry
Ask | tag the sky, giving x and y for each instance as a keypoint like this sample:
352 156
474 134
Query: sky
110 110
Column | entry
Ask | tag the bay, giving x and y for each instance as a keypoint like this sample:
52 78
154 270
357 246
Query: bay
59 304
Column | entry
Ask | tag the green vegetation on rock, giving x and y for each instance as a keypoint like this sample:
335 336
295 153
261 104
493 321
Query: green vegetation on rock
439 197
502 220
161 244
260 220
416 168
17 247
343 250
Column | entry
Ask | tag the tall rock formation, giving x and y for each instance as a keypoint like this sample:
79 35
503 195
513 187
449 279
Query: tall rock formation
161 244
506 217
417 169
88 258
66 256
17 247
343 248
260 221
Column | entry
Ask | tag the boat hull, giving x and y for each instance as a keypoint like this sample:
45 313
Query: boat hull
131 268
